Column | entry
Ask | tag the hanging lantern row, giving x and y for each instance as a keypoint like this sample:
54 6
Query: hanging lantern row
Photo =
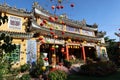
53 47
43 22
60 6
52 19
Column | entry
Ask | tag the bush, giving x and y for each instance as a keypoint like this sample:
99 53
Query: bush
57 75
25 77
99 68
35 71
24 67
67 63
14 71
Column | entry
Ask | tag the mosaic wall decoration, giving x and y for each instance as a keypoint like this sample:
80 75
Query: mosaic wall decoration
15 55
31 51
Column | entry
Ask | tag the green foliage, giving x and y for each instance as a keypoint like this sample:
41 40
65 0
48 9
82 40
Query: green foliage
75 61
113 50
25 67
67 63
14 71
25 77
57 75
6 43
37 68
36 71
99 68
3 70
7 47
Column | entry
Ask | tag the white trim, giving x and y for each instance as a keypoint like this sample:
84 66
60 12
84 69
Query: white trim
40 12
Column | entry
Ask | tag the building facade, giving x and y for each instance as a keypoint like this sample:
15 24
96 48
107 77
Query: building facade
57 37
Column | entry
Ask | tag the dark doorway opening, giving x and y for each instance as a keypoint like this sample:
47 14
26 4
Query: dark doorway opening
76 51
90 52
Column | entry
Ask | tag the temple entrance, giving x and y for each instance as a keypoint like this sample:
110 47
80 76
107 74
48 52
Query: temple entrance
90 52
76 52
48 48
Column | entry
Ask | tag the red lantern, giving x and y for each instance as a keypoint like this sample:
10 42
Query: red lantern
40 38
56 18
45 21
61 7
52 33
53 7
52 19
62 50
72 5
41 24
42 41
63 32
51 28
55 36
63 23
46 59
52 48
58 7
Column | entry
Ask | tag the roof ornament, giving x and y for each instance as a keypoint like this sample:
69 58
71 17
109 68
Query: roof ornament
35 4
95 25
83 22
101 34
5 4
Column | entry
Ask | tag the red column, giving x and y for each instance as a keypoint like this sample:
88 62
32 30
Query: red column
83 52
67 53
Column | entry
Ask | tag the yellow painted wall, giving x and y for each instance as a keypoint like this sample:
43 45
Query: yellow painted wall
23 45
6 28
23 56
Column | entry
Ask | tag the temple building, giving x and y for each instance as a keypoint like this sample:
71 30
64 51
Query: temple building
58 37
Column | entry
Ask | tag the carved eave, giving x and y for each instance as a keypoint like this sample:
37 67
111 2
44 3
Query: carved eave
12 10
18 34
117 34
101 34
36 28
78 24
92 26
44 14
103 44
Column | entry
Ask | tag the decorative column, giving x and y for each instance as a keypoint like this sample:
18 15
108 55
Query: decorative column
38 51
67 53
83 52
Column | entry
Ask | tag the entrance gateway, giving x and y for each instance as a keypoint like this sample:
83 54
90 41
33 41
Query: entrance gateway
65 51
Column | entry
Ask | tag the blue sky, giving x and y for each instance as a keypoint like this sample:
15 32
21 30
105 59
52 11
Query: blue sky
105 13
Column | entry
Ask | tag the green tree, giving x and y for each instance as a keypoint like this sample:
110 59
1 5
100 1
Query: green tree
6 47
112 50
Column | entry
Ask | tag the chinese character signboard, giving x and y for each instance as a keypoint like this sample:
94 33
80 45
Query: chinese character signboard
14 23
